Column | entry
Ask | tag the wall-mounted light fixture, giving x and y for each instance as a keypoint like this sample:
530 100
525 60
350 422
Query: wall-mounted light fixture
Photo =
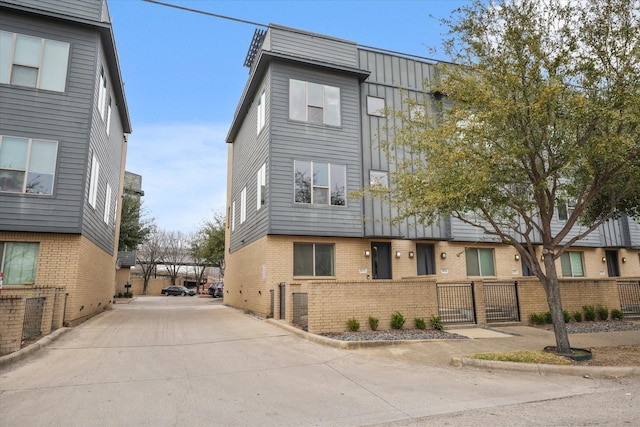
604 259
624 259
443 255
411 254
517 257
398 254
367 253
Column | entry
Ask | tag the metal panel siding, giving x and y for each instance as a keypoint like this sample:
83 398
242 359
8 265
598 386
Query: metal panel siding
250 152
302 141
63 117
85 9
317 47
634 232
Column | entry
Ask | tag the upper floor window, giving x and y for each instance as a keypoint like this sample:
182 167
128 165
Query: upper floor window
571 263
261 188
565 209
320 183
375 106
479 262
313 259
262 111
18 262
107 205
93 181
27 165
108 115
102 92
379 178
243 205
314 103
233 216
33 61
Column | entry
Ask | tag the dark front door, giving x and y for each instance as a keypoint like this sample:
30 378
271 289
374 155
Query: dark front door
381 260
612 263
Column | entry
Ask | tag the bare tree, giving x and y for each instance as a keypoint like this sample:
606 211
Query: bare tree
175 254
148 256
198 258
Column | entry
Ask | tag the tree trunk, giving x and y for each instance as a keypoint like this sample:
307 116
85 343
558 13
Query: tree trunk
552 289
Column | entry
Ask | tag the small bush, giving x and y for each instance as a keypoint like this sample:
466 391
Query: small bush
603 312
373 323
547 317
617 314
540 318
436 322
128 294
119 294
577 316
420 323
589 313
353 325
567 316
397 320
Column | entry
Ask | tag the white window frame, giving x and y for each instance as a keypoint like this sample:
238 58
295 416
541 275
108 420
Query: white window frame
565 209
300 103
29 166
261 111
476 252
379 178
102 92
233 216
375 106
93 181
261 186
108 124
574 261
51 65
107 205
243 205
27 262
313 186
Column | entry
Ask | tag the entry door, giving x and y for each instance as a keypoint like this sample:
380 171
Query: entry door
612 263
381 260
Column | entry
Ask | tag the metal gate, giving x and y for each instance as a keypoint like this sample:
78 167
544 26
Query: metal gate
456 303
501 302
32 323
629 292
300 310
283 297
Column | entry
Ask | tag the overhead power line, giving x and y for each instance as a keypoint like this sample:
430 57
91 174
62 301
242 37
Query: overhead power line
202 12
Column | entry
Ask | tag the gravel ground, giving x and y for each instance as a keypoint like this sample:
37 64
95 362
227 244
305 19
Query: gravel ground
430 334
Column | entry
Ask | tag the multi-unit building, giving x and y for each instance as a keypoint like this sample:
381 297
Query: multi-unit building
307 133
63 133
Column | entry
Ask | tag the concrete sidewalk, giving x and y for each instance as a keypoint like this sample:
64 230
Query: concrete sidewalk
500 339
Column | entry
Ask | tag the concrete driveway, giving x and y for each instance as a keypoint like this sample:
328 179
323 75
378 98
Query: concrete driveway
191 361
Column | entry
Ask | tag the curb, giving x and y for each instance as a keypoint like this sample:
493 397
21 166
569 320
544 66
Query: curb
584 371
23 353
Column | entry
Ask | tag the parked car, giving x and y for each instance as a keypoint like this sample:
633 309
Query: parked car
178 290
216 290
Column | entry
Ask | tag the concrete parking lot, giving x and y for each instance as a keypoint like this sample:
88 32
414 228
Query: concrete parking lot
191 361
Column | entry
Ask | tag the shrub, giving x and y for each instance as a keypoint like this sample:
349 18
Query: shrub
353 325
540 318
119 294
603 312
577 316
420 323
567 316
547 317
373 323
589 313
128 294
397 320
436 322
617 314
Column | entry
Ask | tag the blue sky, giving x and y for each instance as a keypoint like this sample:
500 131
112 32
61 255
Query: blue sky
184 76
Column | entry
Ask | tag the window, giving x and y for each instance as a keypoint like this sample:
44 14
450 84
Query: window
107 205
426 259
233 216
375 106
243 205
261 187
33 62
479 262
27 165
18 262
102 92
261 113
93 181
417 113
314 103
320 183
565 209
108 115
313 259
379 178
571 263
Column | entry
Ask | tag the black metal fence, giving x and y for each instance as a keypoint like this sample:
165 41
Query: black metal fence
501 302
32 323
629 292
301 310
456 303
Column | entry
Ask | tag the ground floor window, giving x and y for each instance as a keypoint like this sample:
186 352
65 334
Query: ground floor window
425 259
313 259
479 262
571 263
18 262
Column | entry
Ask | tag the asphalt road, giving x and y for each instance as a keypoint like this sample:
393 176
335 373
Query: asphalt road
190 361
